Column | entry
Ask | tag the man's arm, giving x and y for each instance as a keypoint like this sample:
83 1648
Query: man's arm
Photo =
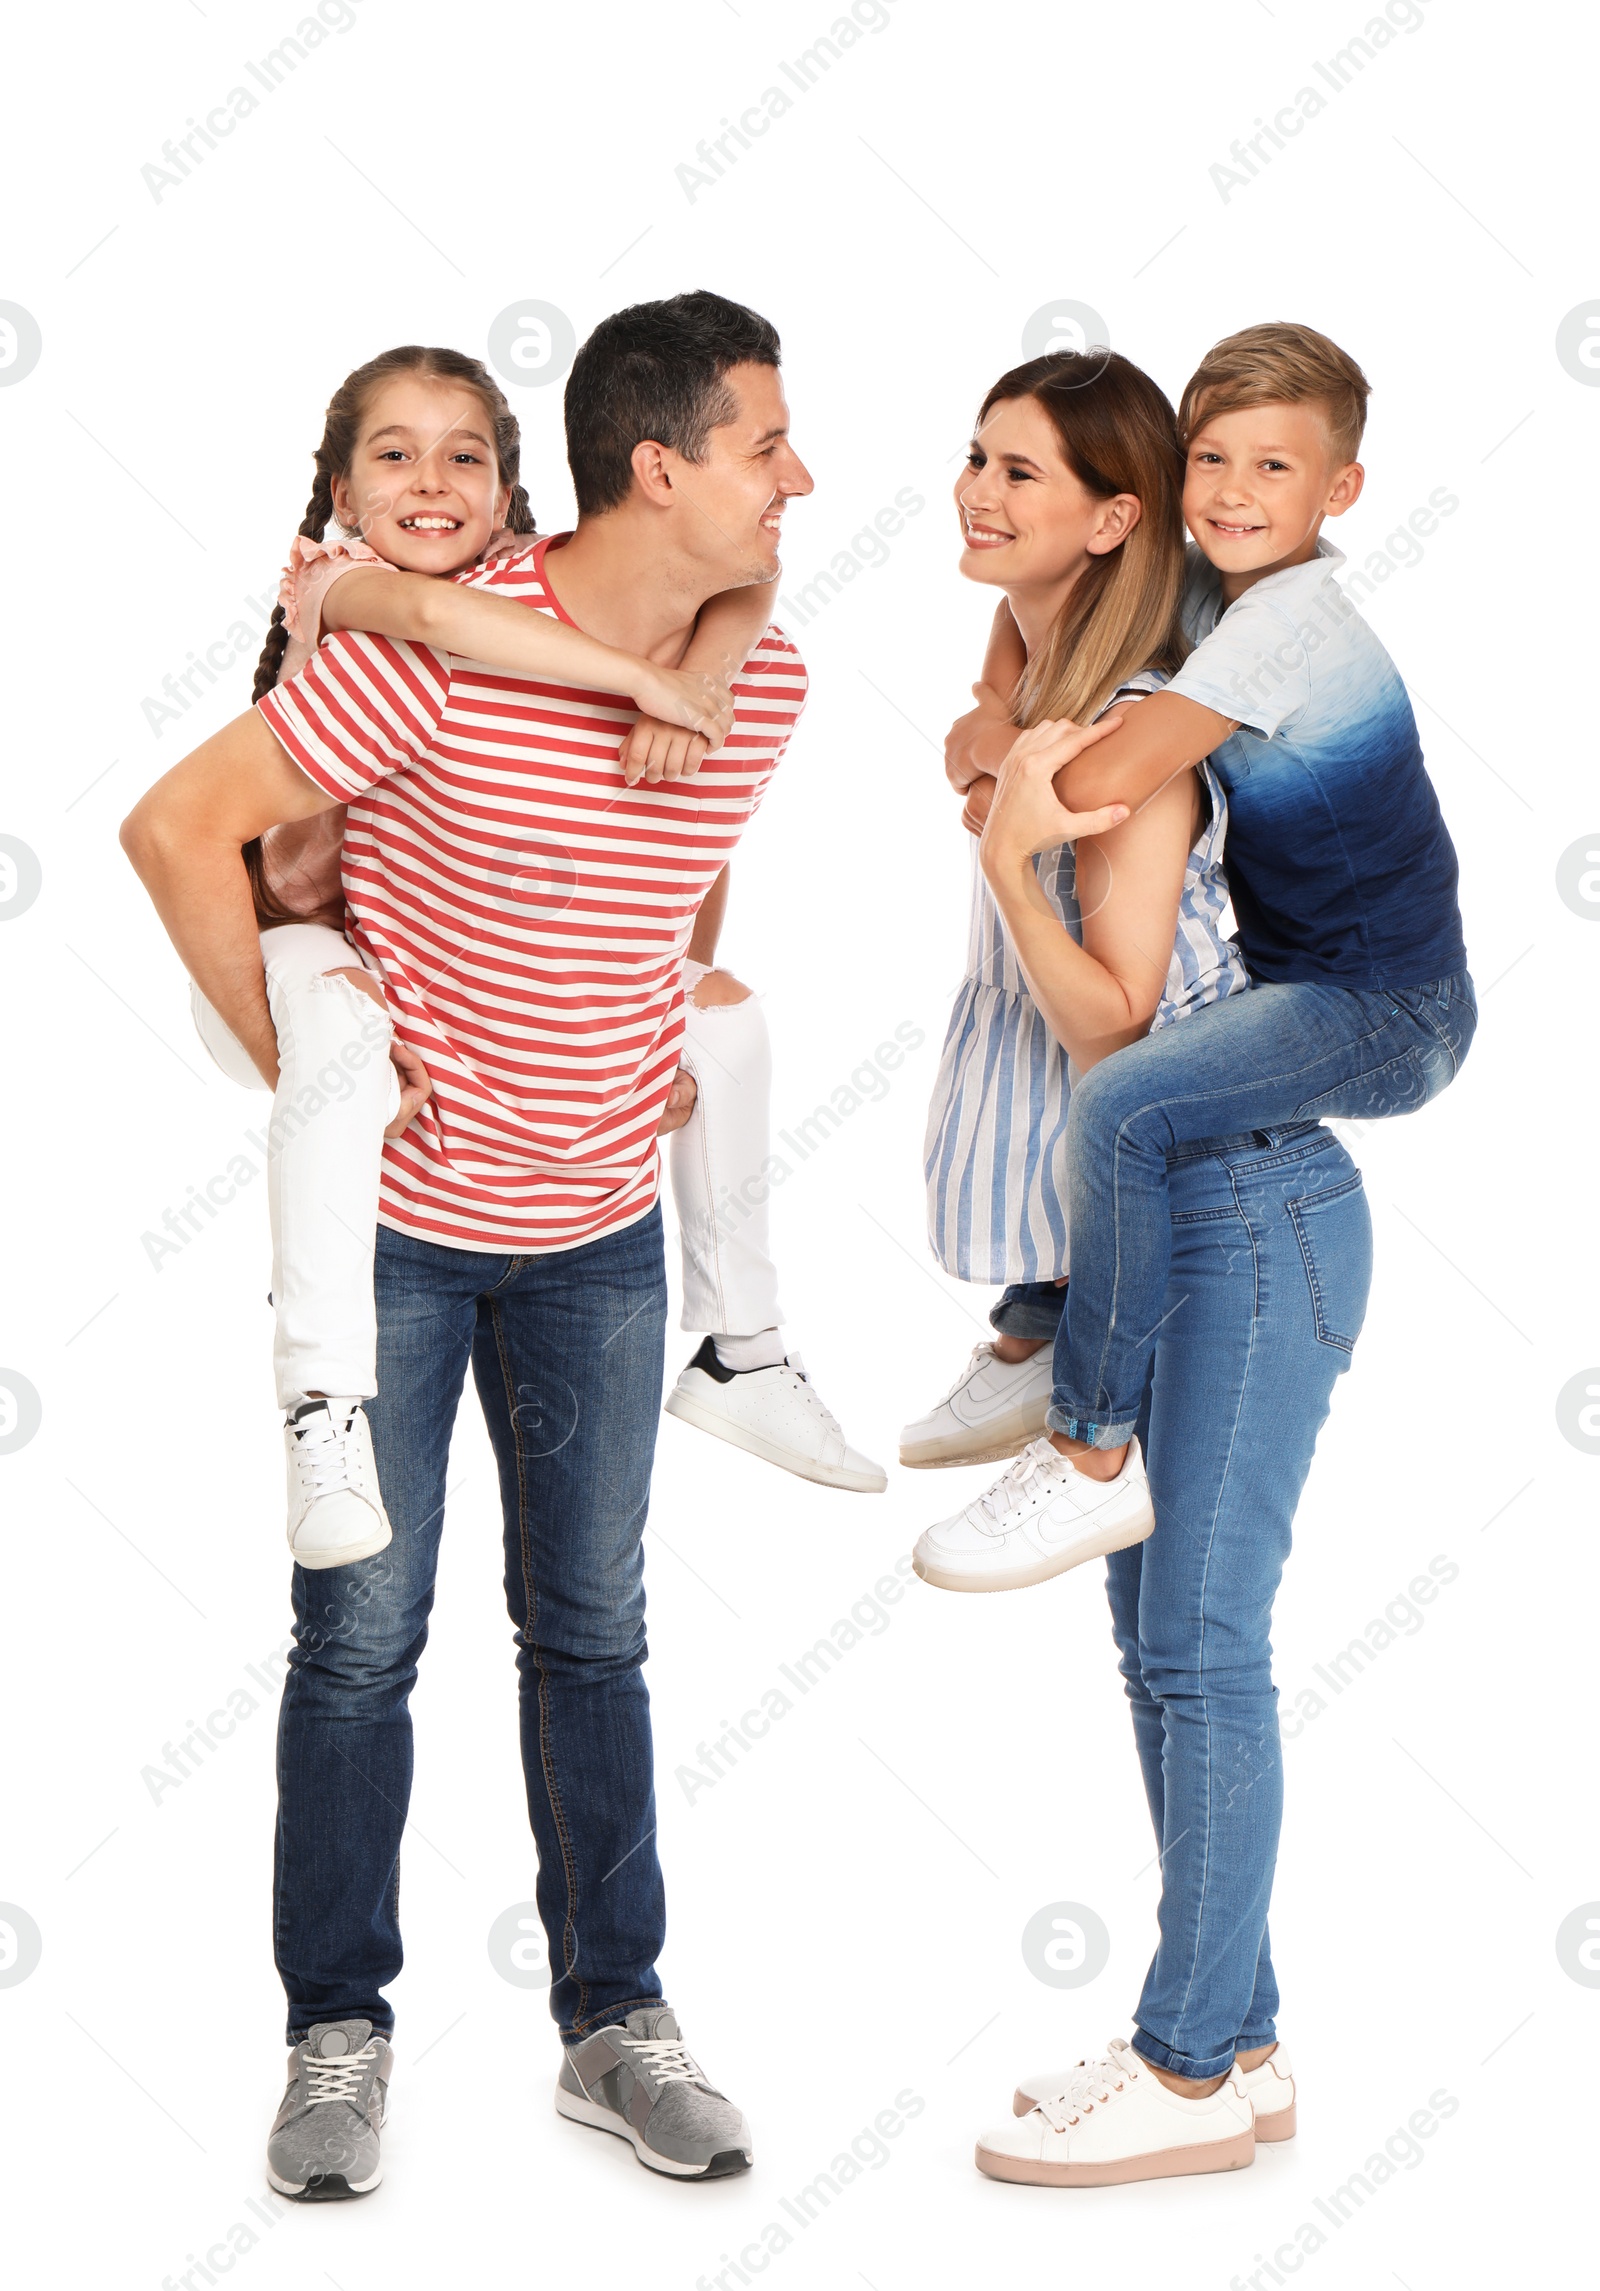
186 838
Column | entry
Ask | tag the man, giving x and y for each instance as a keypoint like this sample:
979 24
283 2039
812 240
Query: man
528 914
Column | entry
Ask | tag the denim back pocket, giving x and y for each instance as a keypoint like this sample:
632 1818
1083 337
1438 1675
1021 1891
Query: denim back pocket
1334 1230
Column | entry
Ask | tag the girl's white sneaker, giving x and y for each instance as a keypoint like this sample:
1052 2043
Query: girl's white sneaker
775 1413
1040 1518
993 1408
336 1514
1115 2121
1270 2089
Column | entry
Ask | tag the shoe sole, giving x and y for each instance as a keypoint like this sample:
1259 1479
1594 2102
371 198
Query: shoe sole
688 1410
347 1555
1230 2155
333 2188
1280 2125
991 1443
1042 1567
577 2110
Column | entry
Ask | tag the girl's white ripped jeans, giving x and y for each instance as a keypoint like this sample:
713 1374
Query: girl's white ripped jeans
337 1092
719 1158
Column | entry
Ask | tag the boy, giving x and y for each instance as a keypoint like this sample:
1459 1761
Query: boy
1343 878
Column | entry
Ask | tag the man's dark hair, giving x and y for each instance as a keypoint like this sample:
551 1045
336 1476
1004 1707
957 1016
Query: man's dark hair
655 371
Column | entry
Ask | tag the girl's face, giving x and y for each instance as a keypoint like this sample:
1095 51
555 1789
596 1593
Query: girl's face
423 487
1027 520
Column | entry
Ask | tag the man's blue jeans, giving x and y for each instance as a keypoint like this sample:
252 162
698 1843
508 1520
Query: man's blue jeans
1271 1258
566 1353
1257 1061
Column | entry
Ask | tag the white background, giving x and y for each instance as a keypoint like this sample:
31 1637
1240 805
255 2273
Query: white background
846 1909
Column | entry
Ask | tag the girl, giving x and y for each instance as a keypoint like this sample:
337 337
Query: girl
418 470
1271 1258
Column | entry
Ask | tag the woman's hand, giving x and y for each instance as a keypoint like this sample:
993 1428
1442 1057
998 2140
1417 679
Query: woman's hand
976 743
415 1087
1024 814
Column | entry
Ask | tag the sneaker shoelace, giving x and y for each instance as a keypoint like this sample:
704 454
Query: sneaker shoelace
813 1398
982 1355
1091 2081
1016 1484
336 2079
322 1454
666 2057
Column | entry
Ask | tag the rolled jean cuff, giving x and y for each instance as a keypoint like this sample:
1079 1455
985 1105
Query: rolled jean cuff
1180 2063
1029 1316
1095 1435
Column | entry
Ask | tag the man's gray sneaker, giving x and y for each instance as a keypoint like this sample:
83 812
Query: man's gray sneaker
324 2141
636 2079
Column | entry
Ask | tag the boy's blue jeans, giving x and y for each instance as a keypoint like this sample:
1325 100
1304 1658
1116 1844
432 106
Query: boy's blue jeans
1271 1253
566 1353
1258 1061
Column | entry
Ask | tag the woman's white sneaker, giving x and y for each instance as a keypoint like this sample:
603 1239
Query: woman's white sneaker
336 1514
776 1413
1114 2121
1269 2089
993 1408
1040 1518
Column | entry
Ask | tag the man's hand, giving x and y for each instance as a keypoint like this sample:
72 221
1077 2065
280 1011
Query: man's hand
680 1103
415 1088
977 742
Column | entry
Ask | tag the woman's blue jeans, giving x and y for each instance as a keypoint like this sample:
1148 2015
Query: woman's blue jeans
1266 1291
566 1352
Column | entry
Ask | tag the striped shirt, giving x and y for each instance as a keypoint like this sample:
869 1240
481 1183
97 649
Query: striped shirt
528 911
994 1156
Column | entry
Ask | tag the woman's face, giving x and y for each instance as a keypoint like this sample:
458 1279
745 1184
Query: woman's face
1027 521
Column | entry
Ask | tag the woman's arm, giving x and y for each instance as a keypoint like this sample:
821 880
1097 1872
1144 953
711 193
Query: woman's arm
1101 995
976 744
421 609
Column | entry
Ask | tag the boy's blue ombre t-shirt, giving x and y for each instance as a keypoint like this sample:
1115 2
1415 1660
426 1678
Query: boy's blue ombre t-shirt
1339 862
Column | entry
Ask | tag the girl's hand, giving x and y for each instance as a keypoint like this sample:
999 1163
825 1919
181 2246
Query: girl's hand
415 1088
655 751
976 743
1025 815
685 696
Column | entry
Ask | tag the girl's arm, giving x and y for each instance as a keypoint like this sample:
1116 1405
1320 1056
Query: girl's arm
725 634
424 610
1101 995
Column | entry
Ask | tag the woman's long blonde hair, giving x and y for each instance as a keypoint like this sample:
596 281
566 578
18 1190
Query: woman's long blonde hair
1117 434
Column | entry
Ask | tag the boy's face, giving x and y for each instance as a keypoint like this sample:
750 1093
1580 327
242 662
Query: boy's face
423 488
1258 484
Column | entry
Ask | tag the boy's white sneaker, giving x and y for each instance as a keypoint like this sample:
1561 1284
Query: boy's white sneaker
776 1413
336 1513
1269 2088
1114 2121
993 1408
1040 1518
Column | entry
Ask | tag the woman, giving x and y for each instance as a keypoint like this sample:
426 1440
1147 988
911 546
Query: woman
1271 1257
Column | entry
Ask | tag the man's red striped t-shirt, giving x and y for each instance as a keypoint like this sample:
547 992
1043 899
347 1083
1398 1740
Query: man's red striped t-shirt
528 911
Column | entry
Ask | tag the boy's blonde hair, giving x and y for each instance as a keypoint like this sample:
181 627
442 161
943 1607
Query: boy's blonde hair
1279 364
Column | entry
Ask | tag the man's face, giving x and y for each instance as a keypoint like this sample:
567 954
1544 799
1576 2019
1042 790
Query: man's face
736 496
